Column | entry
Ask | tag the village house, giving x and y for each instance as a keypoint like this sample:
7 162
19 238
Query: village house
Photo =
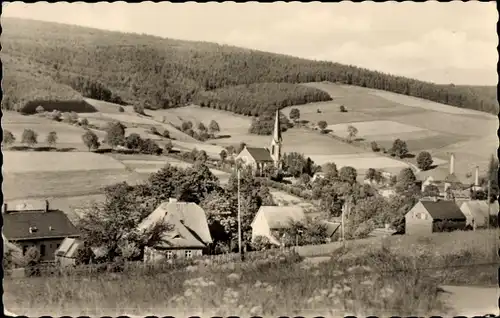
260 158
430 216
272 218
449 185
67 252
479 213
189 235
33 223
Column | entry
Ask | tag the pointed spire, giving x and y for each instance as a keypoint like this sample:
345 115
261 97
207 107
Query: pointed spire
277 127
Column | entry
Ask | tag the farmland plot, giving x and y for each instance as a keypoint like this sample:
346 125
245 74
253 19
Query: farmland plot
361 162
380 127
23 162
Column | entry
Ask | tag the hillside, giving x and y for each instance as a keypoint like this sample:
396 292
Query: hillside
166 73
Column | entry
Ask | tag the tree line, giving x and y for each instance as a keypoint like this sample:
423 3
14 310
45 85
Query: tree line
163 73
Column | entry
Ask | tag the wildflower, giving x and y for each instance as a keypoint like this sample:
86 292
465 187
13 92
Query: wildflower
188 293
256 310
233 277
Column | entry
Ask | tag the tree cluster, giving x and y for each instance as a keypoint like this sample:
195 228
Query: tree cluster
295 164
163 73
264 124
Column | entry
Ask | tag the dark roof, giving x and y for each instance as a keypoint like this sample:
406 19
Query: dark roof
331 227
260 154
51 224
443 210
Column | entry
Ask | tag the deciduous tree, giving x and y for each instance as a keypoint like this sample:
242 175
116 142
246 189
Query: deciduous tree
52 138
424 160
29 137
8 137
90 140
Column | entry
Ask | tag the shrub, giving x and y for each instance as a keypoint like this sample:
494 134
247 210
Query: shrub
139 109
186 125
52 138
343 109
8 137
150 147
133 141
166 134
39 109
154 131
121 109
55 115
168 147
399 148
29 137
322 125
374 146
84 122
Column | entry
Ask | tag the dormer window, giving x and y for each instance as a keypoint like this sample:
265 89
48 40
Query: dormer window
33 229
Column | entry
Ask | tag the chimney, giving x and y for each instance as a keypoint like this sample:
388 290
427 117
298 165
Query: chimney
476 181
50 228
46 205
171 200
4 208
452 163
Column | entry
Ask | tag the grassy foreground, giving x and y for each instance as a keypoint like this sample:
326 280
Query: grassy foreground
380 283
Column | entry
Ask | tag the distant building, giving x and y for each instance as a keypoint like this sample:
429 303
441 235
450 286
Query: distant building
477 214
271 218
259 158
33 223
331 229
429 216
189 237
67 252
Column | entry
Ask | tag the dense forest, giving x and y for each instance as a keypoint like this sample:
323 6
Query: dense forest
163 73
256 99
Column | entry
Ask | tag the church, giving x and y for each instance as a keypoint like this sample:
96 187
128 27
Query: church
260 158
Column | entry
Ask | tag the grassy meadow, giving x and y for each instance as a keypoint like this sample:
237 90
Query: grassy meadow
399 274
377 284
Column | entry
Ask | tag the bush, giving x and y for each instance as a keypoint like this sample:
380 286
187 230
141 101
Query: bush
8 137
343 109
29 137
121 109
154 131
322 125
374 146
166 134
84 122
139 109
39 109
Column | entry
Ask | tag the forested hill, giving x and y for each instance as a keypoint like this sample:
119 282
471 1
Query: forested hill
56 59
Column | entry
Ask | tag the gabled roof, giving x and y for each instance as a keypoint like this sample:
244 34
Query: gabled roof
331 227
190 227
51 224
260 154
279 217
69 247
443 209
480 208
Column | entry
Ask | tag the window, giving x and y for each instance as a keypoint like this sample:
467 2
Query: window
272 149
188 254
169 255
42 250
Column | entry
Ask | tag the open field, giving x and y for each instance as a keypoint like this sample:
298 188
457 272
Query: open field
377 127
62 183
24 162
361 162
68 136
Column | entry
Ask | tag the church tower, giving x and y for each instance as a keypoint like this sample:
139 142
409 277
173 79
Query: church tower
277 141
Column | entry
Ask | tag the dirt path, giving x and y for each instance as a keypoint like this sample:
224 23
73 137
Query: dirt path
471 301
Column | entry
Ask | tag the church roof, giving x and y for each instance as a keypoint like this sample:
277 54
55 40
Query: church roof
260 154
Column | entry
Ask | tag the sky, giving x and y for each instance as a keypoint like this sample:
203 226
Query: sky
453 42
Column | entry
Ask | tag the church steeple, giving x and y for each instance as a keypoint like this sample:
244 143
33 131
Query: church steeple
277 140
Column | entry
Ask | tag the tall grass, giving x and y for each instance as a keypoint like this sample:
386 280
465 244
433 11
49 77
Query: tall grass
380 283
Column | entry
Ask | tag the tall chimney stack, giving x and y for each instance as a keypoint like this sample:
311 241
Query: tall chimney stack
46 205
452 163
476 181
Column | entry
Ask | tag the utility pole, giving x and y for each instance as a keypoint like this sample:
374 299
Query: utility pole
488 202
239 217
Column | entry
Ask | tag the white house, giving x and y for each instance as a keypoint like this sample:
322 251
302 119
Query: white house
270 218
476 212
